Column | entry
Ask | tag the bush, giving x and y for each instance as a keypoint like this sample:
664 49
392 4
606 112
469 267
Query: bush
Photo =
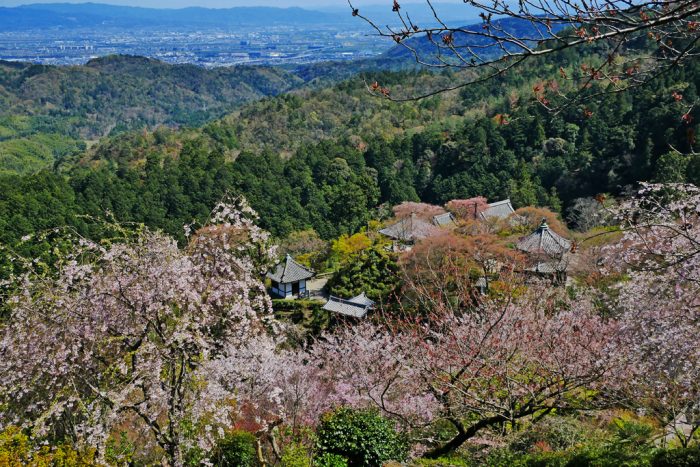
557 433
677 458
631 444
447 461
363 437
296 455
373 271
236 449
330 460
16 449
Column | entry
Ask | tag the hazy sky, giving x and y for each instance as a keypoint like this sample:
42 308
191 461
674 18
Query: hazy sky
222 3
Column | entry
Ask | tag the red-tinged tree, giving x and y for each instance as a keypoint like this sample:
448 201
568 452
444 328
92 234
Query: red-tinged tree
122 332
453 270
467 209
423 211
642 40
659 305
530 217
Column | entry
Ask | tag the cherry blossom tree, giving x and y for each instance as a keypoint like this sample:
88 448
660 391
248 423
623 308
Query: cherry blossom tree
514 358
659 304
509 35
423 211
273 384
467 208
123 331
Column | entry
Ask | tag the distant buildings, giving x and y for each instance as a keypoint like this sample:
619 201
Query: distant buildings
548 253
444 220
289 279
207 47
499 210
355 307
409 230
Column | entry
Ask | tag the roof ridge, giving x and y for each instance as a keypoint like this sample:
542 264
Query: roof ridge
286 264
503 201
558 238
345 301
297 263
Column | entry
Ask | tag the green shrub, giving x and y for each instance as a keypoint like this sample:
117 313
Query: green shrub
677 458
236 449
363 437
296 455
330 460
557 433
119 450
16 449
373 271
448 461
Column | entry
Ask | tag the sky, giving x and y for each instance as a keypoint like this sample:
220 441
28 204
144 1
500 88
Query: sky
309 4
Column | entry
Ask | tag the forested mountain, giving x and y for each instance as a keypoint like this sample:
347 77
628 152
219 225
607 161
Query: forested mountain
47 111
122 91
327 158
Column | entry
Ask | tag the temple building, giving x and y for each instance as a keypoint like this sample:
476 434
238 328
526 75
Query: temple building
355 307
548 253
444 220
289 279
409 229
499 210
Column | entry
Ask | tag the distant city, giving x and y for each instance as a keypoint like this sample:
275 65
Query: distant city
72 34
275 45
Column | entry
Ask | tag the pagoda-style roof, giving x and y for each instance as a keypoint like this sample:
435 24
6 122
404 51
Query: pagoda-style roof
444 220
549 267
355 307
499 209
544 241
409 229
289 271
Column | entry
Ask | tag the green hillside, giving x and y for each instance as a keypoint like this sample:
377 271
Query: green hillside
327 158
46 111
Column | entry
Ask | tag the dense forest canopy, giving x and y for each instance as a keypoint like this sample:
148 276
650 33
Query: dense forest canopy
327 158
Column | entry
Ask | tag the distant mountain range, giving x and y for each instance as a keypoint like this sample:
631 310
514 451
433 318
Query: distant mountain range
487 48
90 15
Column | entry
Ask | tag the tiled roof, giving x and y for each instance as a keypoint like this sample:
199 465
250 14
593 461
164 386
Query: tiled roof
544 241
442 220
409 229
356 307
362 299
499 209
549 267
290 271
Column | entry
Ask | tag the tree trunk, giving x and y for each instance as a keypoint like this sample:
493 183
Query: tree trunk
261 457
462 437
173 456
